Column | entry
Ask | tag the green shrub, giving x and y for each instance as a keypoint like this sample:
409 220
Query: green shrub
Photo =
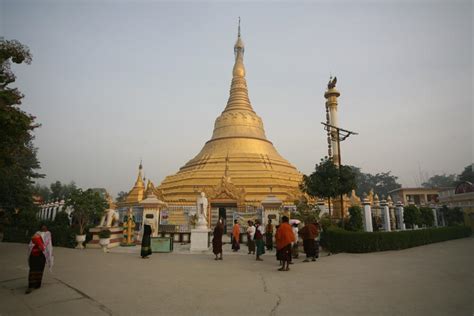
339 240
355 222
426 216
453 216
411 216
105 233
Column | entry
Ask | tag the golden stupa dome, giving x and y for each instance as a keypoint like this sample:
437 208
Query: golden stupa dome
238 162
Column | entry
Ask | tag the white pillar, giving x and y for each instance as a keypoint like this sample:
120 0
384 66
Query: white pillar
385 215
435 214
367 216
322 207
399 210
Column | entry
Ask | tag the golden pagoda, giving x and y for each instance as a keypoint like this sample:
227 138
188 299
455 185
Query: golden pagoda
238 165
139 191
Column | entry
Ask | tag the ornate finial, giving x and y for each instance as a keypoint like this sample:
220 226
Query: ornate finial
140 167
332 82
238 34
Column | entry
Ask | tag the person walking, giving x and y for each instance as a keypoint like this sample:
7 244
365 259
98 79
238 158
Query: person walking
236 236
260 245
250 237
308 233
217 239
269 235
145 250
40 253
284 240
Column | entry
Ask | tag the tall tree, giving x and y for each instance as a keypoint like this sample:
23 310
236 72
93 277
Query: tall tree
43 191
62 191
467 174
121 196
381 183
87 206
18 162
440 181
329 181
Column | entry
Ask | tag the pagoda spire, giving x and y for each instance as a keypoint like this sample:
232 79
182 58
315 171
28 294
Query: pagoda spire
139 181
239 98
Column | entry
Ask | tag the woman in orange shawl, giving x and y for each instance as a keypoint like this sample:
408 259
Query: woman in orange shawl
236 236
284 238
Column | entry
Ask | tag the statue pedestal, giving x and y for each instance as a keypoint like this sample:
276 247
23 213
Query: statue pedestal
200 239
116 237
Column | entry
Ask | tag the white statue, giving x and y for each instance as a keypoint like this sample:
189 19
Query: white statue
202 204
110 216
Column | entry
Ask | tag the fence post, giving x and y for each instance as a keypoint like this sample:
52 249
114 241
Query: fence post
385 214
399 209
367 214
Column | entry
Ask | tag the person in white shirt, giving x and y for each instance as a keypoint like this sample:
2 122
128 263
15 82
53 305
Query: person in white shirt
250 238
259 243
295 245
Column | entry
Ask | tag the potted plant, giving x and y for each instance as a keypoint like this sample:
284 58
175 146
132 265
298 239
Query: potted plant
104 239
87 206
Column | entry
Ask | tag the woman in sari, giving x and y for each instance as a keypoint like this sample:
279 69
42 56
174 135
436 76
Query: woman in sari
217 240
40 252
146 241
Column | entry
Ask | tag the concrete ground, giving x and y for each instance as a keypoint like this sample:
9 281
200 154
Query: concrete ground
431 280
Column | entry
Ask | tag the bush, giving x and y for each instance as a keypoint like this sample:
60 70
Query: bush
20 227
411 216
355 222
105 233
453 216
339 240
426 216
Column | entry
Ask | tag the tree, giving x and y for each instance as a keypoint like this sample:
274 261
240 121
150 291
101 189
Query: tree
440 181
62 191
467 174
453 216
329 181
121 196
381 183
426 216
18 160
43 191
355 222
306 212
411 216
87 206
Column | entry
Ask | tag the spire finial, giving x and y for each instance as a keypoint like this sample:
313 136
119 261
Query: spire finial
238 34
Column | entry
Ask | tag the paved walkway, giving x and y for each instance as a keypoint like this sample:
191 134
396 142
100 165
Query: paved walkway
429 280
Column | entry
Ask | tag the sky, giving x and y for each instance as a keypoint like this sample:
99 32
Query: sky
114 82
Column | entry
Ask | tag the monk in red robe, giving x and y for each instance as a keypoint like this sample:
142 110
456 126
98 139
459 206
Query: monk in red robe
284 240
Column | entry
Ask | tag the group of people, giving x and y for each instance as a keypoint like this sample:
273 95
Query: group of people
40 250
259 237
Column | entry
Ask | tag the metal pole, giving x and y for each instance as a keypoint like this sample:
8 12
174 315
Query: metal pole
339 161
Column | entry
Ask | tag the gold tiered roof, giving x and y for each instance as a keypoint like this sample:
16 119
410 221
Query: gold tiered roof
238 163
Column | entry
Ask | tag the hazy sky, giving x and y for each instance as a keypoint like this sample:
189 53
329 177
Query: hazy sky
112 82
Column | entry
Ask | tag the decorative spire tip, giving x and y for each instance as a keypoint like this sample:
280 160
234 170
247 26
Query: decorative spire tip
238 34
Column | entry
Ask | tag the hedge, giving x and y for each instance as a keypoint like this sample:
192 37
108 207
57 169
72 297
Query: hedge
338 240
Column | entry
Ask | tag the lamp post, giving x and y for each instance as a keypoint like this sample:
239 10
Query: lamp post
338 135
